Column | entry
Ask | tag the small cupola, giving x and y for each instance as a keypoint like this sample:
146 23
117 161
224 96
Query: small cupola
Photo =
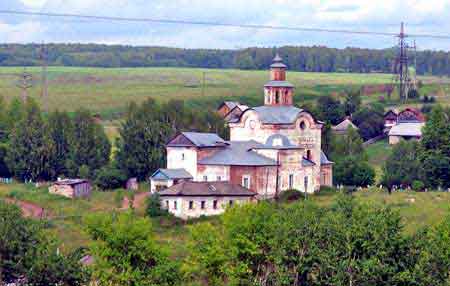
278 92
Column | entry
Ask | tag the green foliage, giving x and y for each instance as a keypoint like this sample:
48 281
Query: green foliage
61 131
435 149
126 253
327 138
402 166
154 208
330 109
4 170
27 252
349 144
147 128
29 158
290 196
89 145
418 185
352 101
350 171
83 171
370 121
110 178
303 244
306 59
140 148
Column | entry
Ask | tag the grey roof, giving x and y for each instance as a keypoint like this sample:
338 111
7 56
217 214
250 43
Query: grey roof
238 153
71 182
273 142
167 174
278 83
344 125
324 159
277 114
407 129
206 189
278 65
204 139
307 163
231 104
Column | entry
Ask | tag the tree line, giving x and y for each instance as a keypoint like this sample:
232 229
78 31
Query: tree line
35 146
298 58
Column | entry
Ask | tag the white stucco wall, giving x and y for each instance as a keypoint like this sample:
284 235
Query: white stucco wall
213 172
183 211
175 159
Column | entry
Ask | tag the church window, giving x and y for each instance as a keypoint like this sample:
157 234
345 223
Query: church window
219 178
203 205
215 204
291 181
231 203
205 178
191 205
308 154
277 97
167 204
302 125
175 205
182 156
246 182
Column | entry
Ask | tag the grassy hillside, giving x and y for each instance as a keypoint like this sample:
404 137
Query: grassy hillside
65 216
107 91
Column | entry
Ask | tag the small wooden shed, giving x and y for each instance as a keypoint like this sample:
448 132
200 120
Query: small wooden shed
71 188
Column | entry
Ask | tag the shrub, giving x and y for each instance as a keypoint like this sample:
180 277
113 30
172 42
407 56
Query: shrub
418 185
154 208
290 196
326 190
84 172
109 178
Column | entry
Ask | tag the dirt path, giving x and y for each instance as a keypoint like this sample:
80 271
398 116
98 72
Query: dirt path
139 200
29 209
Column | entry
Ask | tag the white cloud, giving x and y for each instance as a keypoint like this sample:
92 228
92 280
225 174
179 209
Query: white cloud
420 16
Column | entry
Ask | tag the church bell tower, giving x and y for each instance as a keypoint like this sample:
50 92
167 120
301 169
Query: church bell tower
278 92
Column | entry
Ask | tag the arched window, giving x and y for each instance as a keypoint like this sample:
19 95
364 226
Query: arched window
277 97
302 125
308 154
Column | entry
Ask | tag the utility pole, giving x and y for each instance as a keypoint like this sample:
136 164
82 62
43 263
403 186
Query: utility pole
24 83
401 70
44 95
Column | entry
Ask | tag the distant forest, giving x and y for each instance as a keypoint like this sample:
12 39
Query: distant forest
309 59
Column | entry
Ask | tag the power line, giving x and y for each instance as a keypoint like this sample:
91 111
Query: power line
217 24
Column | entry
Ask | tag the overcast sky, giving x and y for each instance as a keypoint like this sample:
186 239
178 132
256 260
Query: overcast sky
420 16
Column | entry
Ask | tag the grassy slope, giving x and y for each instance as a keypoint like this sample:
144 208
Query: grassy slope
108 90
67 215
378 154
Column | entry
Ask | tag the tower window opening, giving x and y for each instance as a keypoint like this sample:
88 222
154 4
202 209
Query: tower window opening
277 97
308 154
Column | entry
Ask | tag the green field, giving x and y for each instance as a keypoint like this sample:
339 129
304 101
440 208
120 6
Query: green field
107 91
65 216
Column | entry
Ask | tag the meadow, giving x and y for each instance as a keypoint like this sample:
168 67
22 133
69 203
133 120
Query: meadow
64 217
107 91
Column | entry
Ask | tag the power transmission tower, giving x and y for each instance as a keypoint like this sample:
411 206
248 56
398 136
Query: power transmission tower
402 78
24 83
44 95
